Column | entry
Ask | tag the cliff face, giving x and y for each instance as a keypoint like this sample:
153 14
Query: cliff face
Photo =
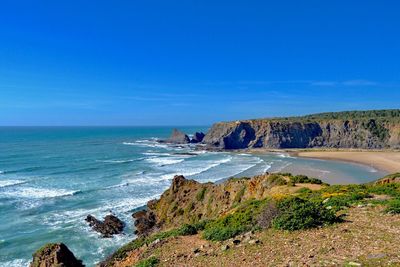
363 134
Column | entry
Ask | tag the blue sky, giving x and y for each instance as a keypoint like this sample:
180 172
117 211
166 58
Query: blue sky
194 62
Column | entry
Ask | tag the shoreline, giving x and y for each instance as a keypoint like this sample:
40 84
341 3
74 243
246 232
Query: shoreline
387 161
383 160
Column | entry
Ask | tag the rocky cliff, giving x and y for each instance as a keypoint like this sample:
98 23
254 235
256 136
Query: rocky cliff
188 201
363 132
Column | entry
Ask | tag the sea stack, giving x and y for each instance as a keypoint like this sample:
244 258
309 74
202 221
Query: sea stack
178 137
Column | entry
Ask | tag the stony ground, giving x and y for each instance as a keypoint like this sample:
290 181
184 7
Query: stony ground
367 238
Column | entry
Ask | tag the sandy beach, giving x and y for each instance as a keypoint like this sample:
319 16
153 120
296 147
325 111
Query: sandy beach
388 161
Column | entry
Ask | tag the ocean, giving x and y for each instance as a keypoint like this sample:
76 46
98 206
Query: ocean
51 178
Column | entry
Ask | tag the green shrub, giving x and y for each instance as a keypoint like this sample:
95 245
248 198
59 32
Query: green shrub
346 200
304 191
149 262
201 225
187 229
297 214
285 174
393 206
387 189
243 219
303 179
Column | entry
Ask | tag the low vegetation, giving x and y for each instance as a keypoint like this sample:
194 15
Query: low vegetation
149 262
296 214
242 219
393 206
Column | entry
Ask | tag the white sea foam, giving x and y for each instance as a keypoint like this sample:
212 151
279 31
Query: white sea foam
267 167
37 193
189 171
165 161
15 263
146 143
118 206
156 154
285 155
1 172
120 161
5 183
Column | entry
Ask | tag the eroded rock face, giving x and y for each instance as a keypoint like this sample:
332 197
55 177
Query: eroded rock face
55 254
145 222
178 137
109 227
197 138
188 200
368 134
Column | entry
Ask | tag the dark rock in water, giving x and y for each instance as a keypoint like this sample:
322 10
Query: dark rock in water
178 137
197 137
145 221
110 226
55 254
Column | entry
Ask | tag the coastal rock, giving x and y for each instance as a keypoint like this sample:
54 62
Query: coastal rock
188 200
178 137
55 254
197 138
109 227
304 133
145 221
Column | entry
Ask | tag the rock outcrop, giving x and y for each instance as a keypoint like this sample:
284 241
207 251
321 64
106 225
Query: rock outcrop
197 138
187 201
109 227
177 137
55 254
145 222
304 132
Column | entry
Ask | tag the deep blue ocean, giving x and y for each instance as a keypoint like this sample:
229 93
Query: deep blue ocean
51 178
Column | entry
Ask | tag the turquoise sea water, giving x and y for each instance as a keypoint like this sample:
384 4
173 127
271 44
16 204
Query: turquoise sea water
51 178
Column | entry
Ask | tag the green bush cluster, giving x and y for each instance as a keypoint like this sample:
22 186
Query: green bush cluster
149 262
393 206
392 190
303 179
346 200
297 213
243 219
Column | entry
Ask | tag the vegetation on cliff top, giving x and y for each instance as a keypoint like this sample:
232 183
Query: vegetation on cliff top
381 115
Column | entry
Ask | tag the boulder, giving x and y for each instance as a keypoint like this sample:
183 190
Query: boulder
55 254
145 221
197 137
178 137
109 227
